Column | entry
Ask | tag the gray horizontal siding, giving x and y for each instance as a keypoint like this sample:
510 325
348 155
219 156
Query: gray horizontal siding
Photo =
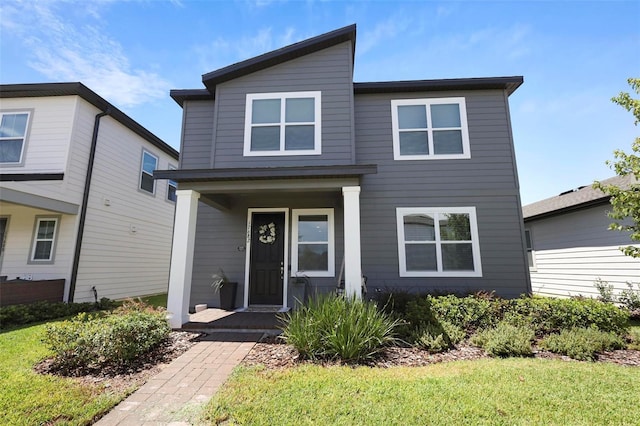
486 181
327 71
197 135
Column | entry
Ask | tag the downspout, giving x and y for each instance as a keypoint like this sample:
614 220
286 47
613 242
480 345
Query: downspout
85 201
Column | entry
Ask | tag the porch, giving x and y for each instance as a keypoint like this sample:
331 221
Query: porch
218 320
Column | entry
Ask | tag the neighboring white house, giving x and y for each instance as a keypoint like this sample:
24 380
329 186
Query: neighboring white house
77 195
570 245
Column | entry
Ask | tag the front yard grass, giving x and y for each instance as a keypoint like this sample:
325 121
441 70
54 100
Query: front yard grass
28 398
489 391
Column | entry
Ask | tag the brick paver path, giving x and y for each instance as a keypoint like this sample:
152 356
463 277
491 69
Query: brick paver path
177 394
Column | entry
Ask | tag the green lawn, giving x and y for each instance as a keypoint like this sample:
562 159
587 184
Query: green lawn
489 391
28 398
156 300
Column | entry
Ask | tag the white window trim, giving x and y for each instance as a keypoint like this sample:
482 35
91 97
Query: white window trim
466 153
401 212
35 240
20 162
144 151
169 185
533 266
317 96
330 272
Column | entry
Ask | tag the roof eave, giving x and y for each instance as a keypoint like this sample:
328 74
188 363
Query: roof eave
269 59
569 209
510 84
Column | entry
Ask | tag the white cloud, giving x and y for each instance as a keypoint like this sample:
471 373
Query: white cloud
62 51
384 30
222 52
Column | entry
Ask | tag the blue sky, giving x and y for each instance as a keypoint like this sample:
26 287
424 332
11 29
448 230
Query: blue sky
574 56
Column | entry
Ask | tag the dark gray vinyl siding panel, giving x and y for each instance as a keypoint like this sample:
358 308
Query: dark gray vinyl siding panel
197 135
487 181
327 71
219 234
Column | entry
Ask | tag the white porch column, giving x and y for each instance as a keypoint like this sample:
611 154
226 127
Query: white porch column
352 260
184 235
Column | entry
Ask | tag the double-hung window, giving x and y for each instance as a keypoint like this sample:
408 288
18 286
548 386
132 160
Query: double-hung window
172 186
148 164
283 124
437 241
429 129
44 238
13 134
313 247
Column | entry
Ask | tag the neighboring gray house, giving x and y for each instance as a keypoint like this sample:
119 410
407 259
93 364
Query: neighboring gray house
77 197
570 246
290 168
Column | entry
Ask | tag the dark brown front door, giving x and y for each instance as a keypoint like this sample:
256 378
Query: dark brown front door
267 259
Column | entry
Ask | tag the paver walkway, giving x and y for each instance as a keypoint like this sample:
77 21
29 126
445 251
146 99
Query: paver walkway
177 394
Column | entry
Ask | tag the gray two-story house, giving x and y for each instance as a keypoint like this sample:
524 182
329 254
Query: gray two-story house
288 168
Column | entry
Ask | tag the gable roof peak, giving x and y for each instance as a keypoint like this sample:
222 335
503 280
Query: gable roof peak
281 55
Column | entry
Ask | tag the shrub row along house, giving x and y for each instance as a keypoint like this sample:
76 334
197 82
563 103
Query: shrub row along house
288 168
77 198
570 246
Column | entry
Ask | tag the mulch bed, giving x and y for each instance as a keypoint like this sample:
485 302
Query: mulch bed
274 354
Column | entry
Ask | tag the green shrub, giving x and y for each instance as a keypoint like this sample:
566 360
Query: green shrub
98 340
331 327
630 297
548 315
634 339
582 343
437 337
42 311
505 340
469 313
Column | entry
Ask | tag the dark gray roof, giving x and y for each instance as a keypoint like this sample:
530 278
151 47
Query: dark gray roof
348 33
510 84
260 173
576 199
279 56
70 89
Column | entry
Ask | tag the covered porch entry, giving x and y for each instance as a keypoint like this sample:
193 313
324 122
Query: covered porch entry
264 206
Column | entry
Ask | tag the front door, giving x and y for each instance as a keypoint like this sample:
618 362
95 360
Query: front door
266 262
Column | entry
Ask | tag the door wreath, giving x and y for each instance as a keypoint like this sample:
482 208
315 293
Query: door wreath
267 233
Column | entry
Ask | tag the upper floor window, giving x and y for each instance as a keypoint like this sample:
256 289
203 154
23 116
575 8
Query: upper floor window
282 124
429 129
313 248
13 133
44 239
437 241
172 186
148 165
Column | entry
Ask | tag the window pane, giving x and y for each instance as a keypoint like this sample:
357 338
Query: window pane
146 183
412 117
265 138
10 150
530 259
43 250
149 163
447 142
313 228
414 143
421 257
527 235
447 115
299 137
313 257
171 193
419 228
13 125
455 227
46 229
457 257
265 111
300 110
